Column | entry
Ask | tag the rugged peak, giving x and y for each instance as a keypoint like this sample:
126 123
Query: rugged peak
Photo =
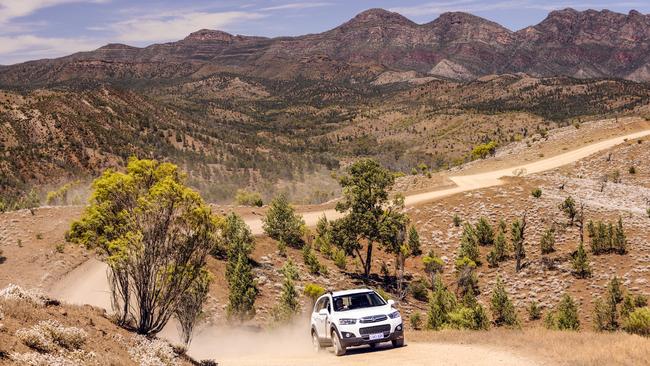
461 20
116 47
210 35
372 16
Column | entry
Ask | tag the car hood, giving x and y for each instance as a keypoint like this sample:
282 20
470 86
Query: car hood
360 313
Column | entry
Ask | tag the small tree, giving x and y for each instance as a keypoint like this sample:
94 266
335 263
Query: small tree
547 242
569 209
432 266
565 316
416 320
517 231
283 224
534 311
288 306
482 151
466 278
469 245
619 242
457 220
313 292
537 192
500 251
580 263
503 311
312 262
239 271
441 303
414 242
484 232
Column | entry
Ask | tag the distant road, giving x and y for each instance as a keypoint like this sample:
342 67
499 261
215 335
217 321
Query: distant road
464 183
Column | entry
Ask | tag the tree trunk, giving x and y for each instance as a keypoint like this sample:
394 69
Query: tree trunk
366 269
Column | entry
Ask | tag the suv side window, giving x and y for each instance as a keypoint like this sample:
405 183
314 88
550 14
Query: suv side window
320 304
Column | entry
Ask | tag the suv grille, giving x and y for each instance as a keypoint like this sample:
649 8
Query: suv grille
373 319
376 329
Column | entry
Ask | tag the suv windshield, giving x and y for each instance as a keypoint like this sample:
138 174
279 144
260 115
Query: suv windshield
357 301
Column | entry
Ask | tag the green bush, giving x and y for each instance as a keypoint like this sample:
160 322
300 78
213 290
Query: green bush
441 303
469 246
638 322
313 291
288 306
484 232
580 263
416 320
283 224
246 198
537 192
482 151
472 318
547 242
632 170
534 311
503 311
565 316
339 258
457 221
311 261
418 290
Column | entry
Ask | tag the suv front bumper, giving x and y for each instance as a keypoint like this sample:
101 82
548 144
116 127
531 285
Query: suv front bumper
351 340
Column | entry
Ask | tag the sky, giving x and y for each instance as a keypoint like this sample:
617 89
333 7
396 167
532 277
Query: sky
35 29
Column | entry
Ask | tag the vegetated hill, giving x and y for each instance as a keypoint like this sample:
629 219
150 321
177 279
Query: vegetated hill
588 44
232 131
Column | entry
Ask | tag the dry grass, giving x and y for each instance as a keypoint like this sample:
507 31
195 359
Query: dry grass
554 347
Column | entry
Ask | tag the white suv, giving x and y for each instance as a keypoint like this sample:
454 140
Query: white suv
355 317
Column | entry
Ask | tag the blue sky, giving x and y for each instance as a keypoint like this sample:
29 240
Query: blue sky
34 29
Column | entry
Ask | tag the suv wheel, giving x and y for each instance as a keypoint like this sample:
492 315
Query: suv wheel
315 342
339 350
398 343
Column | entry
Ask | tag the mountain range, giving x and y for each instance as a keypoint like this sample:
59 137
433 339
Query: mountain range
458 46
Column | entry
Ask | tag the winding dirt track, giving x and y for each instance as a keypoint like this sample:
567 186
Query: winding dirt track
88 285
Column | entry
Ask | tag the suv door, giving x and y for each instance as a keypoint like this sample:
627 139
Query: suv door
319 320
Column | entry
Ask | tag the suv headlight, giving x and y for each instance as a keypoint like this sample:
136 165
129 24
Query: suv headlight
394 315
347 321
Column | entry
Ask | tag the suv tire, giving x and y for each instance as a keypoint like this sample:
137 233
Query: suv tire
398 343
315 342
339 350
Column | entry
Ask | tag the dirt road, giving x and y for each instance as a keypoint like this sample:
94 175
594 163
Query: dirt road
464 183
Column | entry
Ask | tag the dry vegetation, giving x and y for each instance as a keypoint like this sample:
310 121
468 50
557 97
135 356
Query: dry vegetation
554 347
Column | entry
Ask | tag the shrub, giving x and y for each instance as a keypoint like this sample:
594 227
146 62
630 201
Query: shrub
503 311
569 209
537 192
311 261
17 293
432 265
48 334
283 224
565 317
605 314
339 258
482 151
441 303
474 318
638 322
466 278
484 232
313 291
547 242
60 248
288 305
632 170
416 320
457 221
246 198
418 290
534 311
239 271
469 245
414 242
580 263
607 238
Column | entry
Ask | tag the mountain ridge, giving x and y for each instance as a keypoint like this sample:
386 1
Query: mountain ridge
579 44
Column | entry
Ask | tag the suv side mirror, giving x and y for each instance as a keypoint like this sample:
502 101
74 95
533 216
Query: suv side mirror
323 311
391 302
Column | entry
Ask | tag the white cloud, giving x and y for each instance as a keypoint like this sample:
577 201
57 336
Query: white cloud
10 9
293 6
166 27
29 47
